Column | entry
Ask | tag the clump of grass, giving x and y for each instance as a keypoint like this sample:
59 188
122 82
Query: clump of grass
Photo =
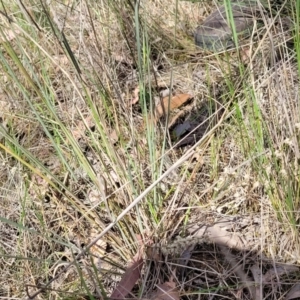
76 154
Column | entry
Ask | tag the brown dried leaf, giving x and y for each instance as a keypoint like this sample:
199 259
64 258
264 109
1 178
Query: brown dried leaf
294 292
113 136
165 291
221 237
82 125
256 272
153 254
98 250
237 268
9 35
245 54
130 277
278 271
170 104
135 98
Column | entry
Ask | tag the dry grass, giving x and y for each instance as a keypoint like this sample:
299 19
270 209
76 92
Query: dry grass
75 153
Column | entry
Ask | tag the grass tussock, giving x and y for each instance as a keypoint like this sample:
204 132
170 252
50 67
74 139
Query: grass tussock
87 179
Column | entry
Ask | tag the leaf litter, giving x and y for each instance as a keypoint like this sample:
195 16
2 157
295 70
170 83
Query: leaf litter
217 233
168 104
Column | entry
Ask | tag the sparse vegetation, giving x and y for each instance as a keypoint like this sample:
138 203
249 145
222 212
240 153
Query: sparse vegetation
94 167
